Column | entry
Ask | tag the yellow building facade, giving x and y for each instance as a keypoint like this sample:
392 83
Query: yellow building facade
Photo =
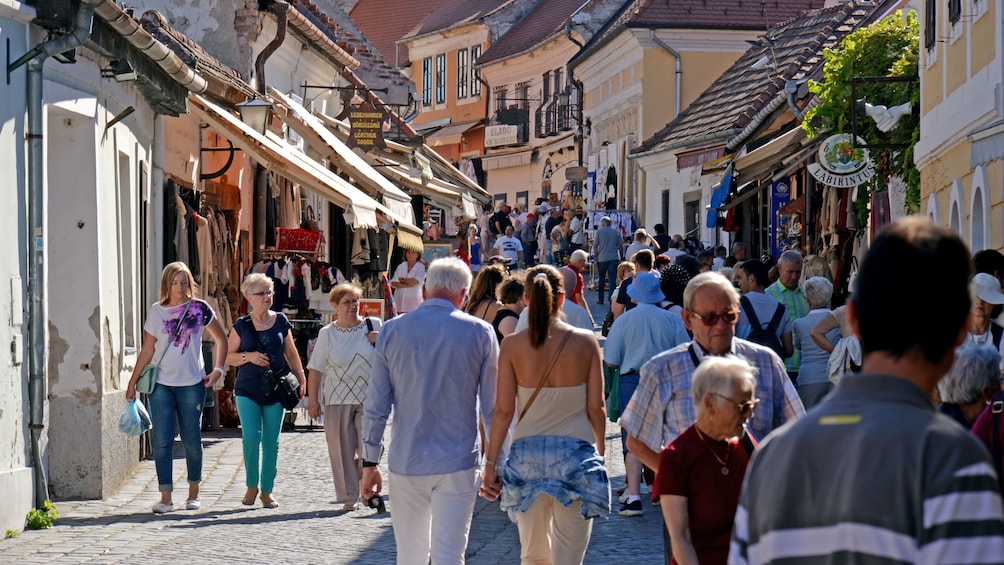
960 154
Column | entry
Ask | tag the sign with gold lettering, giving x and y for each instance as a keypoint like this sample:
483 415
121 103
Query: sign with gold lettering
366 121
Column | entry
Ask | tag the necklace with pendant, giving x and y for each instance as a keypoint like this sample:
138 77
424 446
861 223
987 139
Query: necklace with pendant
722 462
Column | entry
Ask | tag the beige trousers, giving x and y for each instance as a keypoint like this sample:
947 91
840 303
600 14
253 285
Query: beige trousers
343 426
551 534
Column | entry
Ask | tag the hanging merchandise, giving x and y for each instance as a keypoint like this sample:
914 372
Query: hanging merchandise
360 248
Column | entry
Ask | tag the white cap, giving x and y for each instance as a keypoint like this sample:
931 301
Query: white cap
988 288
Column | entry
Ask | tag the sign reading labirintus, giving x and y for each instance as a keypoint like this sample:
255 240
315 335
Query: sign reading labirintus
841 164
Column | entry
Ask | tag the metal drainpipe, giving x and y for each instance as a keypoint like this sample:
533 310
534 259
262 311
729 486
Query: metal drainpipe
35 58
280 9
679 67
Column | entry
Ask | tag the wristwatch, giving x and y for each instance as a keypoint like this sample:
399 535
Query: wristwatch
368 464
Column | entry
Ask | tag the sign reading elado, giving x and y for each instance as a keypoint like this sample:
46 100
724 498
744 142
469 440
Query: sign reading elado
841 164
366 121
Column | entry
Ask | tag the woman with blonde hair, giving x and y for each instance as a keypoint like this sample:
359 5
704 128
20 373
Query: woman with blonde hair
342 356
554 482
173 335
262 341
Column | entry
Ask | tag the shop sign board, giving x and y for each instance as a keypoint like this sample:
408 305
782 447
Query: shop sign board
841 164
497 136
575 174
372 307
366 122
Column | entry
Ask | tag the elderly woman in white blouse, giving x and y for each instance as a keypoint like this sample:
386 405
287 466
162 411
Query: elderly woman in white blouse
813 373
342 356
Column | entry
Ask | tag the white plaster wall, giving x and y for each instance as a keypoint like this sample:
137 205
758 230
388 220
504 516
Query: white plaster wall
16 488
660 173
91 271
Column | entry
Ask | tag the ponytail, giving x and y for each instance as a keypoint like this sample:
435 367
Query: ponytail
543 286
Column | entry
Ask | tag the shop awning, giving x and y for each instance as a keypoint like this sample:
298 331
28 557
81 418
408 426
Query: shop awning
360 209
395 162
766 158
451 134
744 193
987 144
348 161
796 205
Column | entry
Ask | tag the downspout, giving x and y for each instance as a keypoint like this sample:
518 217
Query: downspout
35 58
679 66
280 9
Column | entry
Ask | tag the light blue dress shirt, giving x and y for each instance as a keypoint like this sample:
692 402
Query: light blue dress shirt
640 334
431 366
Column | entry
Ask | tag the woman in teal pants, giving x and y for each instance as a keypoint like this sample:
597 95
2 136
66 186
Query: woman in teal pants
261 340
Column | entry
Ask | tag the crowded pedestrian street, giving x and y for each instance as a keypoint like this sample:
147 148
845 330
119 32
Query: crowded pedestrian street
307 527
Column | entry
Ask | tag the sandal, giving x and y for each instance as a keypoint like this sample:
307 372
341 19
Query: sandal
269 502
350 506
249 497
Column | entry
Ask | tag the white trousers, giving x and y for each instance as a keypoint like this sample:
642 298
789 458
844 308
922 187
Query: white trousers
431 515
550 534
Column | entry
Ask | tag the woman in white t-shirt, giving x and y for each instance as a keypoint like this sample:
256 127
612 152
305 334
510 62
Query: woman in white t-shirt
343 355
173 335
407 282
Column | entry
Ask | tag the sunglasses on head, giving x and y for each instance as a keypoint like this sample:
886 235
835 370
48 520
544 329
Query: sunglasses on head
712 319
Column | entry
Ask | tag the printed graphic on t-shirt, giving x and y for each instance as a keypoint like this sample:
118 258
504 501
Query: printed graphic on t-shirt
197 316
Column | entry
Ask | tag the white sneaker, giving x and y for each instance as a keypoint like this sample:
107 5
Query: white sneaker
623 497
194 504
161 508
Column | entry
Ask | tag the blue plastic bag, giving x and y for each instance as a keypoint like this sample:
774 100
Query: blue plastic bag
135 420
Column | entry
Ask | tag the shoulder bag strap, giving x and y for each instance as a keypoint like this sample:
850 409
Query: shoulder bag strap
177 332
996 410
547 373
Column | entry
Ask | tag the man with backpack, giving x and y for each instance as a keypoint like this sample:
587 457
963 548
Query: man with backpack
789 292
762 319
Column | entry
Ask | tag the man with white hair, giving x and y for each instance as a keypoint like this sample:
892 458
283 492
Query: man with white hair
788 292
435 368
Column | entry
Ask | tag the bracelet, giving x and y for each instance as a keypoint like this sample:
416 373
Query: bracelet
222 370
490 463
368 464
244 357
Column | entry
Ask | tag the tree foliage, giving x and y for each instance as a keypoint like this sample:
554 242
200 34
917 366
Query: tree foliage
887 48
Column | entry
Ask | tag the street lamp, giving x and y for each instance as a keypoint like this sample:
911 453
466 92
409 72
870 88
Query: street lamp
254 113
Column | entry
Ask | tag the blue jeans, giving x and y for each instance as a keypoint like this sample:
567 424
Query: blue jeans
260 426
628 383
177 409
608 271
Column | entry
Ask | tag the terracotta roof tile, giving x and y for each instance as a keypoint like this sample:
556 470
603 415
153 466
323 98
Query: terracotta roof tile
543 21
717 14
458 12
736 98
386 21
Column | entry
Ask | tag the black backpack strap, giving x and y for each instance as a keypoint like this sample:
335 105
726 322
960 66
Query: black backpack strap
750 312
776 320
996 332
369 325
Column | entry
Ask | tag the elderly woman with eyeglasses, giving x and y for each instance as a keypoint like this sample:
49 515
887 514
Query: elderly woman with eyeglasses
261 341
701 471
341 359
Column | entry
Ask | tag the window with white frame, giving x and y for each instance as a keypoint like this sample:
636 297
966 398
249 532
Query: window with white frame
462 75
523 95
441 78
499 96
427 81
475 73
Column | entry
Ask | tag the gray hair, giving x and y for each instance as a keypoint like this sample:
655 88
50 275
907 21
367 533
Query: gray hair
818 292
255 280
579 255
720 375
976 368
790 256
448 273
714 280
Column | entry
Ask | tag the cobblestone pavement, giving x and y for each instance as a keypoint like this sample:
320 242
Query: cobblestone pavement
308 527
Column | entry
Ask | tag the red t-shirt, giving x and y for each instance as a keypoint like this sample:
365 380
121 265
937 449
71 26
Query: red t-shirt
688 468
983 429
580 284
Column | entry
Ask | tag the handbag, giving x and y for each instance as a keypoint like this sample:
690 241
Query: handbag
148 378
284 384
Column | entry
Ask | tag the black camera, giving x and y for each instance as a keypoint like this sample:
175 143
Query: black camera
376 502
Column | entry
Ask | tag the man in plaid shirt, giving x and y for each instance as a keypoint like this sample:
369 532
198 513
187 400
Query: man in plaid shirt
661 407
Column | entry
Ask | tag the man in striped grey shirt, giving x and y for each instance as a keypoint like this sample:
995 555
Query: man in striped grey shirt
873 474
